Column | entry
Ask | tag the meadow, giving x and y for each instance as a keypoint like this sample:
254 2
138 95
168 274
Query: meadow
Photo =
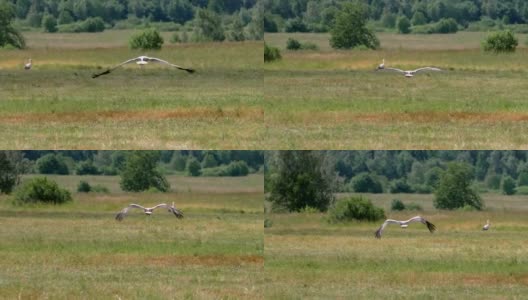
334 99
57 105
308 258
78 250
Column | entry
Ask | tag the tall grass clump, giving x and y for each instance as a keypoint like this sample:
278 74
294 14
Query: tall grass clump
271 53
355 208
40 189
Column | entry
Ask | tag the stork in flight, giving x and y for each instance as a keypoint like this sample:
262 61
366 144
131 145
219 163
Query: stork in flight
28 65
405 224
141 61
487 226
148 210
410 73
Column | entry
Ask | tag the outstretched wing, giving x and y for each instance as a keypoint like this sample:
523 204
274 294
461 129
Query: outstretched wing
420 219
115 67
172 65
178 213
426 69
122 214
378 232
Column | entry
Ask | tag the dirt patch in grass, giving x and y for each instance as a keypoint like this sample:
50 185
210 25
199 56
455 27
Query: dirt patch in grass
415 117
179 260
76 117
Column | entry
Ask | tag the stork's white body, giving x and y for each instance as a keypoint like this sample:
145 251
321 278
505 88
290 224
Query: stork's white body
382 65
149 210
487 226
142 61
404 224
410 73
28 65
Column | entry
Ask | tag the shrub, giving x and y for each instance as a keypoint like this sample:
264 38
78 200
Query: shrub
309 46
418 18
355 208
397 204
293 44
40 189
100 189
268 223
52 164
413 206
404 25
89 25
84 187
87 168
446 26
366 183
400 186
147 39
193 167
508 185
49 23
295 25
521 190
235 168
271 53
499 42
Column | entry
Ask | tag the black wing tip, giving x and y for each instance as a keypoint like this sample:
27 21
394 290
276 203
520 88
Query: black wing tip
377 234
119 217
190 71
430 226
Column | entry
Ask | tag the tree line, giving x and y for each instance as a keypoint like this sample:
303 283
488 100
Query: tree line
318 16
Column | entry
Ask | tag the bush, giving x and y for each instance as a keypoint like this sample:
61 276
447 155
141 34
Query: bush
446 26
418 18
355 208
397 204
404 25
100 189
366 183
40 189
413 206
52 164
271 53
146 40
400 186
49 23
499 42
268 223
508 185
193 167
235 168
89 25
84 187
293 44
295 25
521 190
309 46
87 168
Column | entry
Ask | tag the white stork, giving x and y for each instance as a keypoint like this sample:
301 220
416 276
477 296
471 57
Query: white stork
404 224
382 65
487 226
28 65
411 73
148 210
141 61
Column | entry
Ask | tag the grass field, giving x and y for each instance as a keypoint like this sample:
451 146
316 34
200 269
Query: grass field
330 99
57 105
307 258
78 250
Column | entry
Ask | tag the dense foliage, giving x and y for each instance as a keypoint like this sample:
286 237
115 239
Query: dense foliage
12 165
319 16
9 36
455 190
271 53
355 208
205 19
146 40
301 180
41 189
349 29
140 172
503 41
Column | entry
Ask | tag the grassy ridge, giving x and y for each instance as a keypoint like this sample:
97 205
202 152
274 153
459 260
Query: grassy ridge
331 99
79 250
308 258
58 105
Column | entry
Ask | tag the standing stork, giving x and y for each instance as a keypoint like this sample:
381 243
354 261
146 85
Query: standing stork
487 226
148 210
405 224
382 65
28 65
141 61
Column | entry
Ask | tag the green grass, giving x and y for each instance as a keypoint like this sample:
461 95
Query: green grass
332 99
78 250
58 105
307 258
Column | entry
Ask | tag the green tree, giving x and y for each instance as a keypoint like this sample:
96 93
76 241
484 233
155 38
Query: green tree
301 180
87 167
178 161
8 34
209 160
522 179
508 185
52 164
454 189
12 166
404 25
350 28
49 23
366 183
140 172
237 31
148 39
193 167
418 18
500 42
209 26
